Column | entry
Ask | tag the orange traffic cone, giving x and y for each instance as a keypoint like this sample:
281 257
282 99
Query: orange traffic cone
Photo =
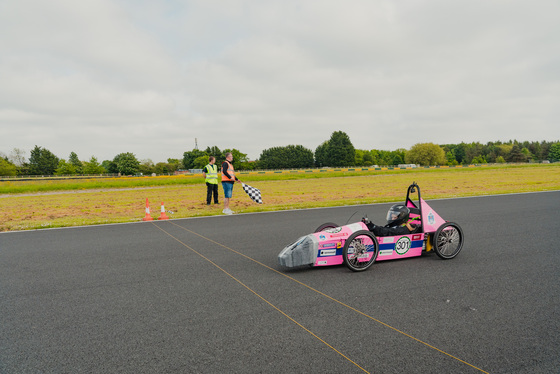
163 215
147 217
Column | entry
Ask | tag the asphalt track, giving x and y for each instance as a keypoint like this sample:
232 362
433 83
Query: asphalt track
207 295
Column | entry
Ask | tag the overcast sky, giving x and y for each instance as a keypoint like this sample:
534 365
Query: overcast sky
102 77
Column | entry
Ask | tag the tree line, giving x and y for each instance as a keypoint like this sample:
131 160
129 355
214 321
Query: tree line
337 151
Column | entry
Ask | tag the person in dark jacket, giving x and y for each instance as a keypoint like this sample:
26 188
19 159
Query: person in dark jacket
398 222
228 179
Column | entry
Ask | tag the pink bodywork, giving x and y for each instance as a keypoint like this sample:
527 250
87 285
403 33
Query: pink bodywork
331 241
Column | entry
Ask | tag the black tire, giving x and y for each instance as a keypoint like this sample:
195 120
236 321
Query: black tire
356 246
448 240
324 226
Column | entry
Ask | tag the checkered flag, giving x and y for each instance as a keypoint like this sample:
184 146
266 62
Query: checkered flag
254 193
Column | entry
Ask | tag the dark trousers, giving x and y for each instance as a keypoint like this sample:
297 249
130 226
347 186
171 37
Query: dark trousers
211 189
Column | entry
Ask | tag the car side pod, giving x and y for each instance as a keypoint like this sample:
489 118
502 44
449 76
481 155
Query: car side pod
302 252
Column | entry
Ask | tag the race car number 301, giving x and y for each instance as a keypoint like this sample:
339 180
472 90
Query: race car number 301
403 245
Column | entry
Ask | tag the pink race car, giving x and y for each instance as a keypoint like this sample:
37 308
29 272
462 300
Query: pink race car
358 248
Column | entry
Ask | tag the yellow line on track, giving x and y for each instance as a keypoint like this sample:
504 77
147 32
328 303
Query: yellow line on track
257 294
325 295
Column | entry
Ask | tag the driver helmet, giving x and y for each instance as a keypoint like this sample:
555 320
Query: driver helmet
397 215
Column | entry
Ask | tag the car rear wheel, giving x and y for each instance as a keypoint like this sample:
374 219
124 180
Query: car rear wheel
324 226
448 240
360 250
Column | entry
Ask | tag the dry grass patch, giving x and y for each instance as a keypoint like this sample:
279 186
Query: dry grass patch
86 207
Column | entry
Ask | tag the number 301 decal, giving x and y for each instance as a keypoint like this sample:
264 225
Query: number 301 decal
403 245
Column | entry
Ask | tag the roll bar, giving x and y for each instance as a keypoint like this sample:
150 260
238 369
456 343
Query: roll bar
412 189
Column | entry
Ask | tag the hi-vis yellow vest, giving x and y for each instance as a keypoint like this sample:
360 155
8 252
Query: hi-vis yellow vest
212 175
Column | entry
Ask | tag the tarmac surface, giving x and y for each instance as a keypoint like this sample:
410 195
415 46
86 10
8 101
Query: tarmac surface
207 295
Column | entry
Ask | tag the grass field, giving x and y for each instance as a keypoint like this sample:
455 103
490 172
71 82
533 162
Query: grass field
26 205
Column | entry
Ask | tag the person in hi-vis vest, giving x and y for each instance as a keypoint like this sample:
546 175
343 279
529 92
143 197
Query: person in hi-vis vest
228 179
210 173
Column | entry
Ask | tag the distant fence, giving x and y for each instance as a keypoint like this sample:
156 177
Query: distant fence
198 172
350 169
54 177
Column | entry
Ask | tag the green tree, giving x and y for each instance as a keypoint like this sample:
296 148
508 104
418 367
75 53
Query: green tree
126 163
367 159
7 168
174 164
458 150
554 152
541 152
75 161
398 156
166 167
384 158
240 160
450 157
215 151
359 157
492 150
42 162
321 159
146 167
426 154
516 154
65 168
472 151
479 160
340 151
375 157
289 157
93 167
249 165
189 157
528 155
201 162
109 166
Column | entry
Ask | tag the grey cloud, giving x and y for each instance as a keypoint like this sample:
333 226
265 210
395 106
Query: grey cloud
118 76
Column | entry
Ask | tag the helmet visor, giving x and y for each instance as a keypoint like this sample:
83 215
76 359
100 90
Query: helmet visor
392 215
397 213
